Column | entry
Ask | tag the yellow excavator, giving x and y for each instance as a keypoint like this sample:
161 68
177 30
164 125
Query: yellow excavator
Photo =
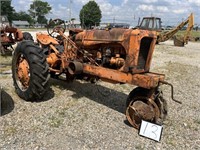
154 23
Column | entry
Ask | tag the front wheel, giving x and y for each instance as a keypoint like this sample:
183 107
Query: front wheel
139 106
30 71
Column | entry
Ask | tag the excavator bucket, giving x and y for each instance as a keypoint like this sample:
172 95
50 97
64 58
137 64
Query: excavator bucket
181 41
178 41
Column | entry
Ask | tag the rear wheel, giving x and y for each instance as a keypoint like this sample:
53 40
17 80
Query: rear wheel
141 107
30 71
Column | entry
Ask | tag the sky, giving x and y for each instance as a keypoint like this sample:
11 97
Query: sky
171 12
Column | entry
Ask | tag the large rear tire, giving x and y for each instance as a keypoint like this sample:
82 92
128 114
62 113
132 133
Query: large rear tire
30 71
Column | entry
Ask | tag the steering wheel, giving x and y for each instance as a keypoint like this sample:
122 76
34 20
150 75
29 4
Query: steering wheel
54 26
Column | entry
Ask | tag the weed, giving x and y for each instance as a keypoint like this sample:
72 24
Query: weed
10 131
197 121
55 122
139 147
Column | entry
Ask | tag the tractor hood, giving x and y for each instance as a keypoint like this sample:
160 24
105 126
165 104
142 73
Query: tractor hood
102 36
115 35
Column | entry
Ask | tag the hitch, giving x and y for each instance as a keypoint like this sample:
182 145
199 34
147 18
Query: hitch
172 91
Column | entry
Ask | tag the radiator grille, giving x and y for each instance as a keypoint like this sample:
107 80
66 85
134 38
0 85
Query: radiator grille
144 51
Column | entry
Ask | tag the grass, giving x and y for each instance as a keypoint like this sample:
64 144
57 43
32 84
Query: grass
181 33
35 29
5 64
193 33
32 29
6 59
10 131
55 122
171 141
4 68
197 121
139 147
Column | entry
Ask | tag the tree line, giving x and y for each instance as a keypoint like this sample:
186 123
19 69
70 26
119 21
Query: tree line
36 13
90 14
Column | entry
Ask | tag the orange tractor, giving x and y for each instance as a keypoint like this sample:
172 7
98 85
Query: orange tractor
10 35
154 24
115 55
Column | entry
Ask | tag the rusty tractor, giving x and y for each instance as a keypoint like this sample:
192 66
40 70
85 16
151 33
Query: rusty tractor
115 55
10 36
154 23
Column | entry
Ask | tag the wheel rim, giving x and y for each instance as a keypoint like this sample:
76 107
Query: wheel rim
22 73
141 108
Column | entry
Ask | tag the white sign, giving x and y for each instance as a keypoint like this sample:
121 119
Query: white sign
150 130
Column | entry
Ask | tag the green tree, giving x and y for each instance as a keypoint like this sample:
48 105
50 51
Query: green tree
90 15
23 16
7 9
42 20
38 10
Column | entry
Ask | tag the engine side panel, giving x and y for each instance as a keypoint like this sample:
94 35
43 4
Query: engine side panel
134 46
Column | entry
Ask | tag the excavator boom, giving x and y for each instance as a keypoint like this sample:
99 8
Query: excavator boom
166 36
154 24
189 28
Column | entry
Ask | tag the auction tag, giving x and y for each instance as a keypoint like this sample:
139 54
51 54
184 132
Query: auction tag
150 130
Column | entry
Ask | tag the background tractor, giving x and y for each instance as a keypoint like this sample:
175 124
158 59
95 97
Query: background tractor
10 35
154 24
115 55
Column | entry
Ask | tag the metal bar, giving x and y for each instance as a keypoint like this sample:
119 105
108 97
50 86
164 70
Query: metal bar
104 40
145 80
172 91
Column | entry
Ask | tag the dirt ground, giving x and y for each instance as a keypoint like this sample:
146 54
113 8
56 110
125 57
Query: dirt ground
81 115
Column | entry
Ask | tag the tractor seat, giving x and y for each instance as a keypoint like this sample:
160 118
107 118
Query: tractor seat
45 39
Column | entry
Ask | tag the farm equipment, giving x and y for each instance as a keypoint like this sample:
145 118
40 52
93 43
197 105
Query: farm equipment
115 55
154 24
9 36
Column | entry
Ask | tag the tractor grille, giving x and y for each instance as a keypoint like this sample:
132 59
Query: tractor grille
144 51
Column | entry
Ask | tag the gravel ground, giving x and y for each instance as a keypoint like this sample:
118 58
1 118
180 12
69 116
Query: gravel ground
79 116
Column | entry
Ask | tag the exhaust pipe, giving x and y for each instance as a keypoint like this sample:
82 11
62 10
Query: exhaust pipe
75 67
